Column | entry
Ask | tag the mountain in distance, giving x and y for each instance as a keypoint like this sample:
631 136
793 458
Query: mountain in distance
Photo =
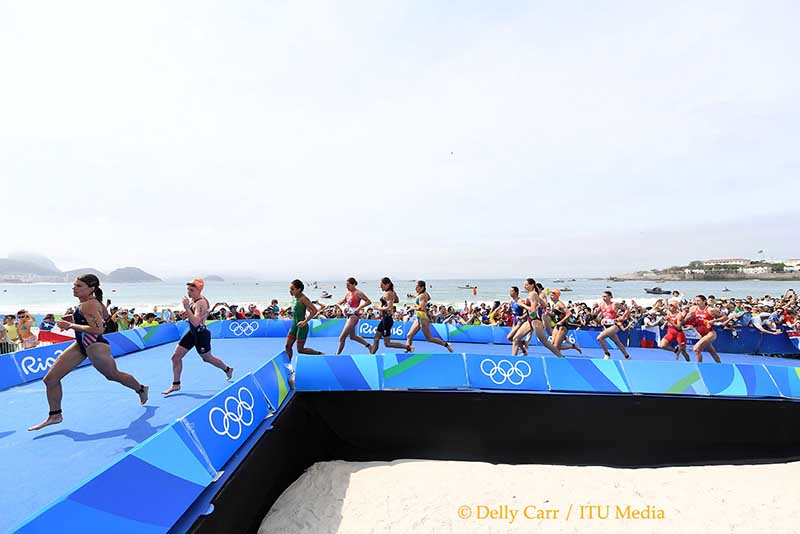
74 273
22 267
42 264
130 275
214 278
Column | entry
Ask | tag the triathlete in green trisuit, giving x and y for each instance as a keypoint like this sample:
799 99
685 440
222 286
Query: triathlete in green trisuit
301 305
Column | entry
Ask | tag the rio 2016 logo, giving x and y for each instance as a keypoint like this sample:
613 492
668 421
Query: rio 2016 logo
31 365
366 329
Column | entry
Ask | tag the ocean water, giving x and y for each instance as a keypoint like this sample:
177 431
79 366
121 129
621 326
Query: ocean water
54 298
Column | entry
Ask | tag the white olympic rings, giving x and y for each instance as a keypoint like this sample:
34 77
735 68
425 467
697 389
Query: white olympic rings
243 329
242 415
513 373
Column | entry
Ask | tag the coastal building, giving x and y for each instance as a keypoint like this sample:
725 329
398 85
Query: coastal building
792 265
740 262
760 269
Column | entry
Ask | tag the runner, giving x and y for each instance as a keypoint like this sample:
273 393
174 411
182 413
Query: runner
198 336
702 317
88 323
423 320
674 324
301 306
518 318
386 309
534 324
608 319
356 300
561 314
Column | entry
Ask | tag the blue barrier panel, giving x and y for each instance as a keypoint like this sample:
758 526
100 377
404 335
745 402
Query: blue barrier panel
273 378
325 327
278 327
424 371
356 372
500 335
182 327
776 345
244 329
145 491
584 374
223 423
470 334
746 340
9 373
153 336
367 328
124 342
787 379
738 380
215 328
673 378
34 363
438 331
487 371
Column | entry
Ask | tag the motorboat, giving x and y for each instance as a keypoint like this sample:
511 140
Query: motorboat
657 291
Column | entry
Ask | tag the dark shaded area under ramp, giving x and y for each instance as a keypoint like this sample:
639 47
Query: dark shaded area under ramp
512 428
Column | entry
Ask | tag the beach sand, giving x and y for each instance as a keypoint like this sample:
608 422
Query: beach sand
415 496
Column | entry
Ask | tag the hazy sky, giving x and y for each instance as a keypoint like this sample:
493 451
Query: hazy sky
324 139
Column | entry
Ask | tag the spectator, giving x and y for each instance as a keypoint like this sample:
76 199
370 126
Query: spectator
149 320
26 336
47 323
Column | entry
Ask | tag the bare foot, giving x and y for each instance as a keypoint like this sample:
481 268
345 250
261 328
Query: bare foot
172 389
51 420
143 394
409 348
449 347
229 374
578 348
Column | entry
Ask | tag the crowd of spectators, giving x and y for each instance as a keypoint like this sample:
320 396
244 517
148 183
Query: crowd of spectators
767 314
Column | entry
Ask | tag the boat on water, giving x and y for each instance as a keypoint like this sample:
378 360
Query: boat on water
563 289
725 289
325 295
558 281
466 287
657 291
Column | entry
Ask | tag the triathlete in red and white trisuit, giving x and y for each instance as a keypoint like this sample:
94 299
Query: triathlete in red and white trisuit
355 300
675 332
608 318
702 316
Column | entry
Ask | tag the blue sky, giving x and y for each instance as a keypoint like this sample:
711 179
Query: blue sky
404 138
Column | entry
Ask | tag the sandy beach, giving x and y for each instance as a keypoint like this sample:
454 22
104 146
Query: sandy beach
454 497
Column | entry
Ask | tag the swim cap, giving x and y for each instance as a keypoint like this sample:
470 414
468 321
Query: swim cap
198 283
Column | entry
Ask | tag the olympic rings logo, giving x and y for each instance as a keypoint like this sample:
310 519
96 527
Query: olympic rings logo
243 329
237 418
505 371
